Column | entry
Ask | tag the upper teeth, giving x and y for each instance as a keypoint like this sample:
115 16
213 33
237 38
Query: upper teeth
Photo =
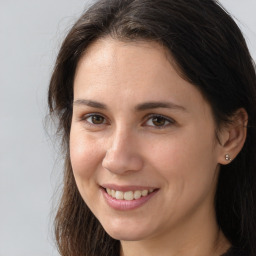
128 195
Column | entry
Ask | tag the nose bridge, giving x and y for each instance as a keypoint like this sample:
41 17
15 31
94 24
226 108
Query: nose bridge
121 154
122 139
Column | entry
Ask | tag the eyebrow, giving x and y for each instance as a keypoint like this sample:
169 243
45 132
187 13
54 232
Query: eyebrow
90 103
153 105
139 107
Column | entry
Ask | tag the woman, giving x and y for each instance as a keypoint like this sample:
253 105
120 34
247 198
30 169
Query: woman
156 101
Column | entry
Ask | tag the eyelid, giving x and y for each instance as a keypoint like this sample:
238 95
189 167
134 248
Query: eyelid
168 119
86 116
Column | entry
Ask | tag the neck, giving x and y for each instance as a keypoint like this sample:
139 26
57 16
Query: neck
199 236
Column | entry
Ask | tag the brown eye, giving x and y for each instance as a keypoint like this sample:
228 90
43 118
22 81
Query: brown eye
159 121
96 119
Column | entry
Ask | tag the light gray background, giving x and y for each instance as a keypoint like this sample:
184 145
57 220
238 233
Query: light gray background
30 35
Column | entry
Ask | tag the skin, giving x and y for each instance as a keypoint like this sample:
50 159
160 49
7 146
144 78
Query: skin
177 154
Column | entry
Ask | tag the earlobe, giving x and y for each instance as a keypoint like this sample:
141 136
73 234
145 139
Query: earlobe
228 158
233 137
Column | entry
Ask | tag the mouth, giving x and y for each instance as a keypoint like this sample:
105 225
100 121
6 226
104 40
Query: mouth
128 195
127 198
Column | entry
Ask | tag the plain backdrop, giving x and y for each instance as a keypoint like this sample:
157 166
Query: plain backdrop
31 32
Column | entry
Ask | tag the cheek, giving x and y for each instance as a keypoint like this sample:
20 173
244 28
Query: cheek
185 152
85 154
187 159
188 170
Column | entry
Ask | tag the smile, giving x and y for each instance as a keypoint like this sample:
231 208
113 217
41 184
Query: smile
128 195
129 198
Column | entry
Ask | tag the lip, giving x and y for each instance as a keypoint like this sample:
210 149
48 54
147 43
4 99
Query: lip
126 188
125 205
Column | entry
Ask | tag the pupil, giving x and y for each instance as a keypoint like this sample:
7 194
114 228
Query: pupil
97 119
158 121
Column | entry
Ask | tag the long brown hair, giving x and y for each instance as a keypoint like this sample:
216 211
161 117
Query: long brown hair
211 53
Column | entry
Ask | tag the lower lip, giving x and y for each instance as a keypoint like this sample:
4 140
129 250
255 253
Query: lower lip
124 205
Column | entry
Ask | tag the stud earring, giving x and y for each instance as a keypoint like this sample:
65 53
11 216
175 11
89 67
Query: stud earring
227 157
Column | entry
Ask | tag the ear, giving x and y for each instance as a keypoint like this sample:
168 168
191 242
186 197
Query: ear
232 136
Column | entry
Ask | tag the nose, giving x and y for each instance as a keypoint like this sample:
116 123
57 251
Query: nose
123 156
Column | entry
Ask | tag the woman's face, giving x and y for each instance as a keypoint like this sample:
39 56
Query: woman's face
144 135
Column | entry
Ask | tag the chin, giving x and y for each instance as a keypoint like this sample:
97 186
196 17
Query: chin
127 234
123 236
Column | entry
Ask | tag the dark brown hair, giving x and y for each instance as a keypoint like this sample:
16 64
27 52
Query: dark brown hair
210 53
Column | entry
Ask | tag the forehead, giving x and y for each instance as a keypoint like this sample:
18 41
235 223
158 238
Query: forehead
108 54
125 63
144 71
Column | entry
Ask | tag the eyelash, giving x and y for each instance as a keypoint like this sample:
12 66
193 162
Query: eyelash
148 118
165 119
86 117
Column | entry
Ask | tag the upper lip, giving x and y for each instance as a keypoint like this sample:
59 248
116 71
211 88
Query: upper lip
127 187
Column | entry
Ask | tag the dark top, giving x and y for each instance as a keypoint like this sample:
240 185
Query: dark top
234 251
